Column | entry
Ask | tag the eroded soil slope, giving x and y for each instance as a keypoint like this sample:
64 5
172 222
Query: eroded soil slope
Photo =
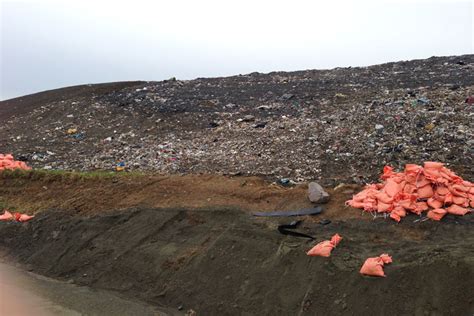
224 262
191 242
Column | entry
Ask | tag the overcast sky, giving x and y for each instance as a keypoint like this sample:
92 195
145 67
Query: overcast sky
46 44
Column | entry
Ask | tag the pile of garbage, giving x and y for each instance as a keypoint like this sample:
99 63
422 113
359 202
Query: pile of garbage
417 189
301 126
8 162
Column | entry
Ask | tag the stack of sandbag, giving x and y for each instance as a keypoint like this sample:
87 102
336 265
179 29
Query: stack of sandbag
19 217
433 188
7 162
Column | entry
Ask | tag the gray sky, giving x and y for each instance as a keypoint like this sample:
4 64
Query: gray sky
46 44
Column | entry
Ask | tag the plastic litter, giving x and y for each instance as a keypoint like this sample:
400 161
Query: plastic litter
374 266
8 162
120 166
416 190
287 229
324 248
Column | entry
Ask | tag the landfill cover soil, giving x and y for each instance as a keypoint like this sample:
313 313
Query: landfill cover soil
178 233
223 261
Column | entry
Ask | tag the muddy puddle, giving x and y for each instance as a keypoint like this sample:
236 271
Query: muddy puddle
26 293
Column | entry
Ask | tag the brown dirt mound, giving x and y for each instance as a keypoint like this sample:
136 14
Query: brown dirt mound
126 234
100 194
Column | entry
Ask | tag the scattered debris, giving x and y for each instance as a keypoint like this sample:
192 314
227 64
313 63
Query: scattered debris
120 166
285 182
287 229
324 137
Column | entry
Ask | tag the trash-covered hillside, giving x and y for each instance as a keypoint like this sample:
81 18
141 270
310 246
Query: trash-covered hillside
339 125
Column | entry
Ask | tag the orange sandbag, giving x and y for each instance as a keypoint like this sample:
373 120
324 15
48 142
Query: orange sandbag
416 189
437 214
6 216
425 192
457 210
395 217
7 162
336 239
324 248
464 202
22 217
397 213
434 203
374 266
392 188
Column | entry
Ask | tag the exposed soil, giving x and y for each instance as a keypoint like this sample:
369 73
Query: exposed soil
104 194
220 260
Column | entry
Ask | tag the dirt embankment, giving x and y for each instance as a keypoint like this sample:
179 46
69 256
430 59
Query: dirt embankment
103 193
219 260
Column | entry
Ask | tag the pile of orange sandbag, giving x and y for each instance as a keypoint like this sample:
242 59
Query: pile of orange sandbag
19 217
433 188
7 162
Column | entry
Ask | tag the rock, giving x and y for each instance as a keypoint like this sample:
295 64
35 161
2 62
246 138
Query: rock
264 107
248 118
287 96
260 125
379 127
190 312
316 193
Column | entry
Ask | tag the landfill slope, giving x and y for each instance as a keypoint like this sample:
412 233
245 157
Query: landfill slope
179 232
338 125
